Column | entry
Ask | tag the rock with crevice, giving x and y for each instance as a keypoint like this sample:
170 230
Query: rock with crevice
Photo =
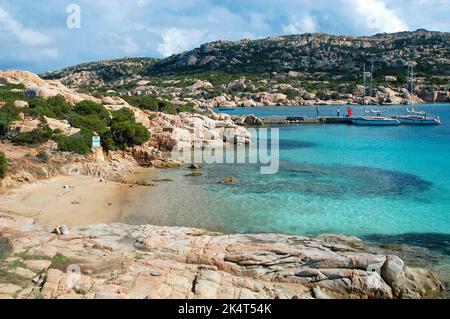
124 261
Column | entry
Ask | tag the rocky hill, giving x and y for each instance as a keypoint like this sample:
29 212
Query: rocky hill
301 69
99 73
340 55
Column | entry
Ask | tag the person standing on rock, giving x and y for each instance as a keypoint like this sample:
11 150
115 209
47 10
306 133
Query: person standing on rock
339 111
317 111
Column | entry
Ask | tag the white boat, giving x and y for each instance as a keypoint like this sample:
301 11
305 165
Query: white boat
227 108
418 118
372 120
413 117
375 120
413 120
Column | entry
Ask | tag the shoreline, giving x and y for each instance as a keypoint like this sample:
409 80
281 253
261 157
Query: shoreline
71 200
119 261
217 109
94 195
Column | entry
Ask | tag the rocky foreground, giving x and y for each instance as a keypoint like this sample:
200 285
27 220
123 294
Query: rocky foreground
123 261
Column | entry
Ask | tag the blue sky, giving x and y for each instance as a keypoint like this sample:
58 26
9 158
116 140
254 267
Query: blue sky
34 34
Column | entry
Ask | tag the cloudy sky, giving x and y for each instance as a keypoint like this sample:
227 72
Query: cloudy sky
34 35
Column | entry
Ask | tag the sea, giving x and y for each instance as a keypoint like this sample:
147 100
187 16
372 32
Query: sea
384 184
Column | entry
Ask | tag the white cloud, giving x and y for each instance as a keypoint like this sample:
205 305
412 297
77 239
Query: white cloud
305 25
177 40
376 16
25 35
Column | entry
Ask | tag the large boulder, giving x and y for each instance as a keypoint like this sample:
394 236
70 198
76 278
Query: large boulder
390 78
392 269
20 104
201 85
428 95
61 125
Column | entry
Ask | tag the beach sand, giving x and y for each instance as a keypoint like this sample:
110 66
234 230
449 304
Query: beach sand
87 201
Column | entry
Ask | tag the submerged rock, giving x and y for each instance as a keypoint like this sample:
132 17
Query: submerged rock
228 180
194 174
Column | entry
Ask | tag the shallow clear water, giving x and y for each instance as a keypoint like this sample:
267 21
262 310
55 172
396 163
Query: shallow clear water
362 181
382 184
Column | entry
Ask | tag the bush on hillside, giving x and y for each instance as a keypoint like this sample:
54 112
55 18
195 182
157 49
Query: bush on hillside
8 114
90 116
122 115
42 157
79 143
8 96
143 102
188 107
54 106
38 136
151 104
125 134
3 165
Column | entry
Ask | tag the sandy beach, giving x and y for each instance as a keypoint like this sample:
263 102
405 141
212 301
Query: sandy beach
70 200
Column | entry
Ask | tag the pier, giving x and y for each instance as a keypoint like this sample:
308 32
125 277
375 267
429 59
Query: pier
277 120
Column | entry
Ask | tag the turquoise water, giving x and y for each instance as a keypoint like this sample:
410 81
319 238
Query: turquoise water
363 181
382 184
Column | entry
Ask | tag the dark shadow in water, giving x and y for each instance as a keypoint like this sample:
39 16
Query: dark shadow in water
293 144
432 241
332 181
5 248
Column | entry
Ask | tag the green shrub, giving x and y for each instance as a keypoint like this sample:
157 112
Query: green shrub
8 114
3 165
42 157
151 104
37 136
92 108
79 143
123 115
88 122
188 107
125 134
143 102
90 116
7 95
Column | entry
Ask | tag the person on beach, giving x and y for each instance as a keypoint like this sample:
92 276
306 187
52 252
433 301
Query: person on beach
317 111
338 112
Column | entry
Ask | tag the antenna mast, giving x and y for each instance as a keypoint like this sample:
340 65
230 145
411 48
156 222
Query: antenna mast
364 90
371 78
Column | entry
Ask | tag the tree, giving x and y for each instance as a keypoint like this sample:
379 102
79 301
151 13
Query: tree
125 134
123 115
79 143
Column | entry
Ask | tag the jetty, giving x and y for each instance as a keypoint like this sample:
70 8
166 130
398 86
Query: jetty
278 120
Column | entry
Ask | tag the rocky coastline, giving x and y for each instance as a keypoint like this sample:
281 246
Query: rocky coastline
124 261
145 262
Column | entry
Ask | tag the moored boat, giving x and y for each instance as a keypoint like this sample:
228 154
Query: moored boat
375 120
419 120
413 117
227 108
